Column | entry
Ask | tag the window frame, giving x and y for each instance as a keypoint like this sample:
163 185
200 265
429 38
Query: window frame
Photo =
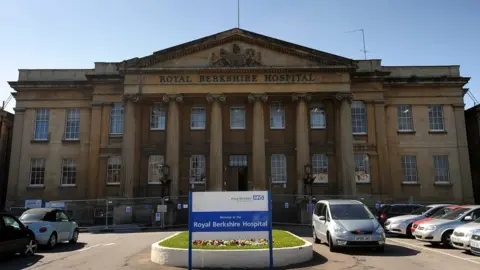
76 123
37 120
271 108
158 116
244 116
273 178
408 119
432 117
202 171
446 170
120 107
40 172
322 166
161 160
204 118
321 110
62 171
362 114
403 161
238 161
366 166
119 170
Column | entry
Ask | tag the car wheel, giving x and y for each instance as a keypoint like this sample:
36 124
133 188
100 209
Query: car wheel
409 231
74 237
446 239
315 238
52 241
31 246
331 246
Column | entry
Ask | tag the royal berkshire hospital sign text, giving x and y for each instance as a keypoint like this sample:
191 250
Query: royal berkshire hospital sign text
237 78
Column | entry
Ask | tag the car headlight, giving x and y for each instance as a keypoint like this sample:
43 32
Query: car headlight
379 230
431 228
469 234
339 230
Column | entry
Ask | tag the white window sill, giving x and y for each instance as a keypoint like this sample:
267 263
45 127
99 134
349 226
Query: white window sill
279 183
406 131
157 129
411 183
237 127
113 184
320 182
155 183
442 183
360 133
197 183
68 185
277 128
36 186
363 182
318 127
197 128
115 134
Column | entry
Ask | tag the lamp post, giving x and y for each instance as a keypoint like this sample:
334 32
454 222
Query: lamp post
164 171
308 178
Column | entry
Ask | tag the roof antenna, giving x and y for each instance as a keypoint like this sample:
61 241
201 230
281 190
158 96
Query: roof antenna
238 13
363 37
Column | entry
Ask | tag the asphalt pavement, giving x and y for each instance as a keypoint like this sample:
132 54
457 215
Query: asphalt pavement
112 251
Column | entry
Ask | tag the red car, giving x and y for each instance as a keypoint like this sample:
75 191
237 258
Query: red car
439 214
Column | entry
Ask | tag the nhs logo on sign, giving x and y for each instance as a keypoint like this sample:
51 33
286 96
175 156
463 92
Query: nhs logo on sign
258 197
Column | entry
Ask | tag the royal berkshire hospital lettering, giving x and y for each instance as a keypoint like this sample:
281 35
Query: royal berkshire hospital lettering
243 78
230 224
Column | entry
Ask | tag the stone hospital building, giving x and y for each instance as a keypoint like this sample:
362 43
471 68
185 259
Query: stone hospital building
240 111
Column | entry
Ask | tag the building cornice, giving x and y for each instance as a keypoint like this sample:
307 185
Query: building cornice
19 85
427 81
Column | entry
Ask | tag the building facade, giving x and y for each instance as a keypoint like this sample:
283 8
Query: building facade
241 111
6 129
472 118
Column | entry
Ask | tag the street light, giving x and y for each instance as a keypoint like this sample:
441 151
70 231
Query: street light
164 170
307 178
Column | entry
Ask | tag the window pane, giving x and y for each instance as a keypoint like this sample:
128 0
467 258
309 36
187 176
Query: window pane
435 117
116 119
320 168
409 167
404 117
237 117
37 171
154 174
317 118
362 168
277 115
197 120
359 117
114 169
72 124
440 164
237 161
69 172
279 168
158 117
197 169
41 124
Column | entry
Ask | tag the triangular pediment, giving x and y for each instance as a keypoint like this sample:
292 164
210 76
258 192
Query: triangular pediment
238 48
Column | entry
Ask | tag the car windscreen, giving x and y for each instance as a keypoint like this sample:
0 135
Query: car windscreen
477 220
32 217
349 211
442 212
421 210
456 214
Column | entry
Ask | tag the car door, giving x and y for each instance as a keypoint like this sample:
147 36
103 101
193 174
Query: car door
16 237
62 223
319 223
473 216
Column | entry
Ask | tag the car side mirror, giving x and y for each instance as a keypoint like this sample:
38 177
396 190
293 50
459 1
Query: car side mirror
322 218
468 218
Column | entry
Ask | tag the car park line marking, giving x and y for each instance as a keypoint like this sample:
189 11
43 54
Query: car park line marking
109 244
433 250
87 248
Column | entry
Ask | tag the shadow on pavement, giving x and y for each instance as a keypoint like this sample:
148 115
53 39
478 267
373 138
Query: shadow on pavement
390 251
19 262
62 247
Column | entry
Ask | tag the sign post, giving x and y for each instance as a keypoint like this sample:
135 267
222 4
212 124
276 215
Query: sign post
229 216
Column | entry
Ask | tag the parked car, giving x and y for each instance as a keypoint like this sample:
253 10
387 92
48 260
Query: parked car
403 224
51 226
462 234
15 237
394 210
439 231
439 214
346 223
475 243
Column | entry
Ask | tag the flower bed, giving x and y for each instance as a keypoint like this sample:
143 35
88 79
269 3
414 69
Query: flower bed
231 243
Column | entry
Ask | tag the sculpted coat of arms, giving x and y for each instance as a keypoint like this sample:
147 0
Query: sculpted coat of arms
236 58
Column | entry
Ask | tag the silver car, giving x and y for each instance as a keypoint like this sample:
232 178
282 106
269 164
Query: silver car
346 223
439 231
475 243
462 234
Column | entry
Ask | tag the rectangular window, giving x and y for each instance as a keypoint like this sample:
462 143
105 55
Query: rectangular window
278 169
197 169
440 164
114 170
277 115
237 161
409 167
154 173
69 172
42 117
158 117
37 172
72 124
320 168
404 118
359 117
435 117
362 168
317 118
116 119
197 118
237 117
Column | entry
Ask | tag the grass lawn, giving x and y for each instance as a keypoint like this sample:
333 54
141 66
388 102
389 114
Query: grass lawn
281 239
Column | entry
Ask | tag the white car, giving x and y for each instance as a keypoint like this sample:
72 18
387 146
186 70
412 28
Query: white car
475 243
461 235
403 224
50 226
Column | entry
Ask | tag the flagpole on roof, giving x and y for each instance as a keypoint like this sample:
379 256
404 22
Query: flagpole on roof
238 13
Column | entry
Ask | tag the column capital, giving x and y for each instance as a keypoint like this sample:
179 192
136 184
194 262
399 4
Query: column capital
257 96
19 110
458 106
96 103
344 96
301 97
216 97
172 98
131 97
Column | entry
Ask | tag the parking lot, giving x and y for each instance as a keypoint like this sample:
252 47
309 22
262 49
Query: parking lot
132 251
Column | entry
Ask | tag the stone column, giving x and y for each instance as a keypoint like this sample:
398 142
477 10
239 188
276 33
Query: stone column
385 187
301 138
16 154
462 192
258 143
346 144
128 149
215 177
173 141
94 151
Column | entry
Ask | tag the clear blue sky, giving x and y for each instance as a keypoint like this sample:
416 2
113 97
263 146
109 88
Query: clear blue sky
75 34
